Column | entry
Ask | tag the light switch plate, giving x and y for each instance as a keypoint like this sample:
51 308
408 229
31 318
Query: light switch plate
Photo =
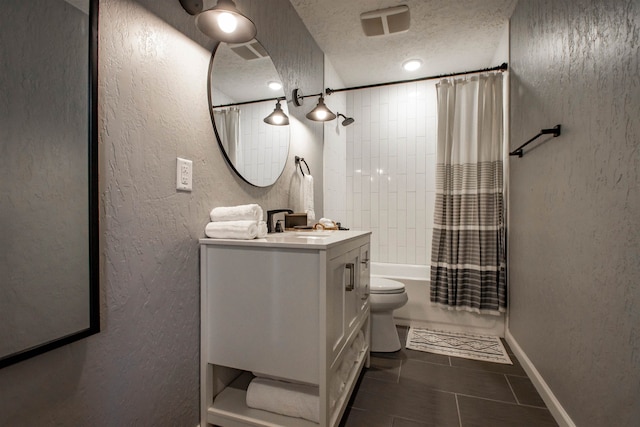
184 174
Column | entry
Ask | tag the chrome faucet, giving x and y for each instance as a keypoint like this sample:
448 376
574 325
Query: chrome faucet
270 218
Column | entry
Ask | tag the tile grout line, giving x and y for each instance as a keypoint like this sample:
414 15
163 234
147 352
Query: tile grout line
458 409
506 377
471 396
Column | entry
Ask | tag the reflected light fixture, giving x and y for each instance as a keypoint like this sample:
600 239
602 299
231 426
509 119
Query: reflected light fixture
321 113
223 22
278 117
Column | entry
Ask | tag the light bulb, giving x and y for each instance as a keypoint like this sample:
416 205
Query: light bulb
412 64
321 115
227 22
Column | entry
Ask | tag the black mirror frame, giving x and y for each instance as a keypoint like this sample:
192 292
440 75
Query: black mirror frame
215 128
94 211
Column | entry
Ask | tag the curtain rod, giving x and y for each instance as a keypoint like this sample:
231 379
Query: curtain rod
235 104
502 67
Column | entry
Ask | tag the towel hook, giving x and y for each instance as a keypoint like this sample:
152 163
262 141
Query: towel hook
298 161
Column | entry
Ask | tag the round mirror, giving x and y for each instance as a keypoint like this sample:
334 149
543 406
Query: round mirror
244 90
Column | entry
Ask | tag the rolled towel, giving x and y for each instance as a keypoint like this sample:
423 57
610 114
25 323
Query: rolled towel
237 213
246 230
262 230
281 397
336 387
327 223
349 359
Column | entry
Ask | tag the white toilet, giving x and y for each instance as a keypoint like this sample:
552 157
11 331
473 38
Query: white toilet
385 296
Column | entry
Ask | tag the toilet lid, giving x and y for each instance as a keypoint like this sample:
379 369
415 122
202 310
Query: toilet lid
380 285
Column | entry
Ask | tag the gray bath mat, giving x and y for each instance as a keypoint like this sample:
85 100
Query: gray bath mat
458 344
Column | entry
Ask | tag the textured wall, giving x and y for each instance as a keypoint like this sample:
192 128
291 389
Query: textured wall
143 368
575 203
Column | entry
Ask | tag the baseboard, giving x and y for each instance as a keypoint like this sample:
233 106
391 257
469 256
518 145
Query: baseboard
556 409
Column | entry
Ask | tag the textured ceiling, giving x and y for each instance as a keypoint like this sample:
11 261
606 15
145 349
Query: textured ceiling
447 35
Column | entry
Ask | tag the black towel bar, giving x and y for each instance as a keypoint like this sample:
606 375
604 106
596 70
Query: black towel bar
555 131
301 160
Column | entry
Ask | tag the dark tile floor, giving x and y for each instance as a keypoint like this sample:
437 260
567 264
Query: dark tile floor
417 389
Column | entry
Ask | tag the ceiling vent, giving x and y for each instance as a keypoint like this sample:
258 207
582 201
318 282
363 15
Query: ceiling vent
385 21
249 50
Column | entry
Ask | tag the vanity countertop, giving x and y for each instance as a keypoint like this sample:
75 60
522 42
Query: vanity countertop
308 239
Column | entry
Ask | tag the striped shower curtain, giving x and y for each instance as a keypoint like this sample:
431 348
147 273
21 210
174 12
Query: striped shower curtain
468 257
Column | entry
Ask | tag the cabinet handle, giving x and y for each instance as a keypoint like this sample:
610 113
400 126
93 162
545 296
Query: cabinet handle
352 277
365 262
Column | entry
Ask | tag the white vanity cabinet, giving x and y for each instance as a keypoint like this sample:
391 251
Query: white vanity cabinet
288 306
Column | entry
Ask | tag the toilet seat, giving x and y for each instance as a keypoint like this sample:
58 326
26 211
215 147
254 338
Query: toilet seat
380 285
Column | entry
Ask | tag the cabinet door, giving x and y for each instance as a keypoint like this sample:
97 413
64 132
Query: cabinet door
351 287
342 297
364 282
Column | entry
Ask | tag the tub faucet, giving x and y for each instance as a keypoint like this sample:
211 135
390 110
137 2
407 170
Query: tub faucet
270 218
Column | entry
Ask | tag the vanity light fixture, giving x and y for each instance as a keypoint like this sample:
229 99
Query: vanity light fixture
321 113
223 22
278 117
298 97
411 64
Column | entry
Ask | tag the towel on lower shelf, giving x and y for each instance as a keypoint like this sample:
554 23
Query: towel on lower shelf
237 213
349 359
232 230
286 398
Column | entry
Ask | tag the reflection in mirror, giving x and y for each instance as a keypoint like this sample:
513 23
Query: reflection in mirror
244 87
48 176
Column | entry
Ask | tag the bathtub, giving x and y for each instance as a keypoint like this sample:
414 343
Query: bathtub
419 311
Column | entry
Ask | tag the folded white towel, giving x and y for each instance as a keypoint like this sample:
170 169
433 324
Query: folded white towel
281 397
232 230
237 213
262 230
307 197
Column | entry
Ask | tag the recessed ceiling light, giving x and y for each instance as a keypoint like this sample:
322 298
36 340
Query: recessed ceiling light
274 85
412 64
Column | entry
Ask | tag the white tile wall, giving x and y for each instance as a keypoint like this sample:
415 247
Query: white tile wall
259 141
390 174
335 150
